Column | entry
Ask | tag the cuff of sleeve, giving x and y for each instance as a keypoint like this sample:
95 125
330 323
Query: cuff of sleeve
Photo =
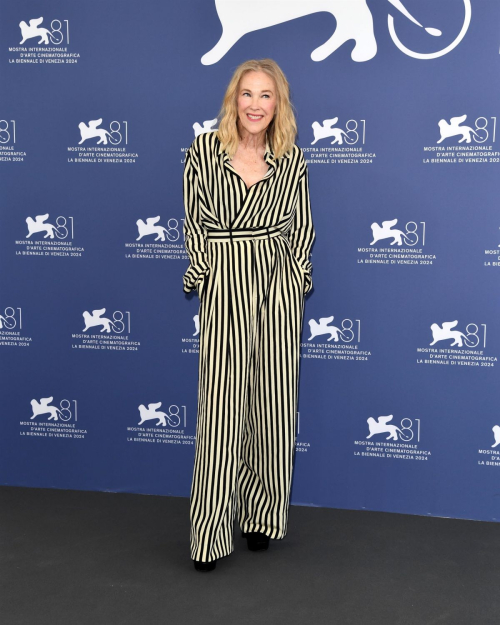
308 283
194 275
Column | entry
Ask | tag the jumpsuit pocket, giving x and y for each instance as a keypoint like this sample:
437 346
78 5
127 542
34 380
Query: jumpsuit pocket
306 277
201 284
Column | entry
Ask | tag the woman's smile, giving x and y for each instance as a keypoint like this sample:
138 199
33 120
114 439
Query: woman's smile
254 118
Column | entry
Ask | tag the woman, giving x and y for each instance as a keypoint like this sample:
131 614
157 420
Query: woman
248 233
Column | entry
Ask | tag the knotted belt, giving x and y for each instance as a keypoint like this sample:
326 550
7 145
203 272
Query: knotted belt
240 234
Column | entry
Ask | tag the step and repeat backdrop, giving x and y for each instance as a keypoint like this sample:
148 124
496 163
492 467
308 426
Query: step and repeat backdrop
397 104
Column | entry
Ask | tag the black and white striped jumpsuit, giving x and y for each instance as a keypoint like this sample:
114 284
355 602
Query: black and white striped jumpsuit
249 252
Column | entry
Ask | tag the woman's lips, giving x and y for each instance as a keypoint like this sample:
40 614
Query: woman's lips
251 119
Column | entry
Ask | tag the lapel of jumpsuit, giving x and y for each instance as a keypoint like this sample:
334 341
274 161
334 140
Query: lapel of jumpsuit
249 193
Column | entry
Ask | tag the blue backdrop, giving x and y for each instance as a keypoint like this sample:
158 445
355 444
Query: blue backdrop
397 108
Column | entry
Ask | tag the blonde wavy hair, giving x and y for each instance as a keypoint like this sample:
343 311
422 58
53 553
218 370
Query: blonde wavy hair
282 129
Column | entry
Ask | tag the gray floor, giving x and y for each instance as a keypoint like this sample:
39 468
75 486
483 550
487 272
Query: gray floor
75 557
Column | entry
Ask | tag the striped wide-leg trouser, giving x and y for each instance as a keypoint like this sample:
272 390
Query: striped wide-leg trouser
250 317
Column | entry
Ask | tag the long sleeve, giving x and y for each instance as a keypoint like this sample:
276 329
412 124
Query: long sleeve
194 236
302 234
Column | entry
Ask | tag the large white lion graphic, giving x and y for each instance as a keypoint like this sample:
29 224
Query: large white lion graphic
353 18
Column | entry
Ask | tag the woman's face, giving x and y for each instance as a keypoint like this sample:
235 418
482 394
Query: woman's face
256 101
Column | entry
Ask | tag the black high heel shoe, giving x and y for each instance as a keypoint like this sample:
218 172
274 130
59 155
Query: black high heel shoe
204 566
256 541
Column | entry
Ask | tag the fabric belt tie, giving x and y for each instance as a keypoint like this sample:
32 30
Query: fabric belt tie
241 234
